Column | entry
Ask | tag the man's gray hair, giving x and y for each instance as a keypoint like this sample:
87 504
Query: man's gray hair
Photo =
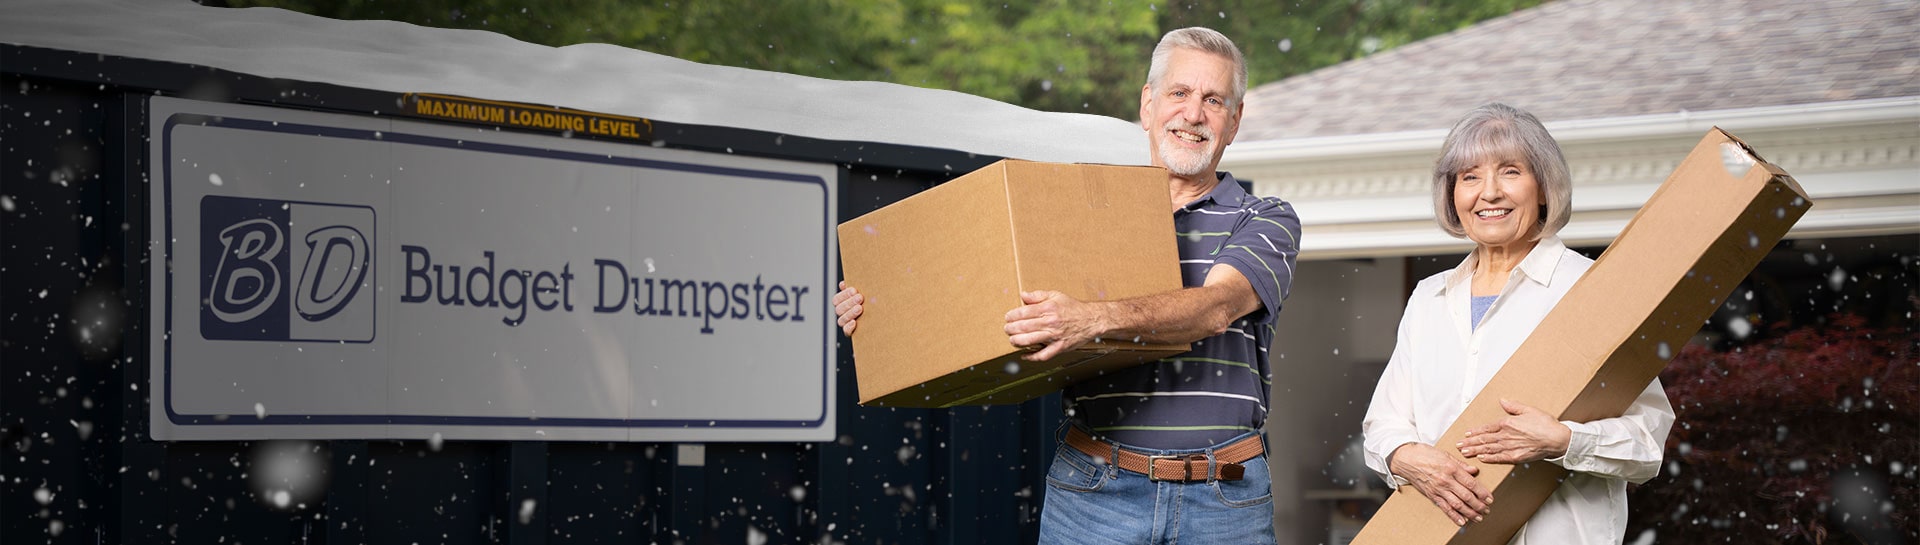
1496 132
1200 39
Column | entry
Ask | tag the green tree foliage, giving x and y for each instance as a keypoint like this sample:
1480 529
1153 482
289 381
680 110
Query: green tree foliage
1086 56
1288 38
1057 55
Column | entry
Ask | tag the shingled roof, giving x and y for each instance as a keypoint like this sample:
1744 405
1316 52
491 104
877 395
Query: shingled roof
1583 59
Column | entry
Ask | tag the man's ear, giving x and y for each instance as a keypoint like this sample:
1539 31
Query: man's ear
1233 128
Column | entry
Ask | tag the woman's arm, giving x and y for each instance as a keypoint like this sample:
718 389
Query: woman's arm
1395 451
1389 420
1628 447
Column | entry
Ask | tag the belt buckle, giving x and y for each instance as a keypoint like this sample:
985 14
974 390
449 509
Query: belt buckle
1185 464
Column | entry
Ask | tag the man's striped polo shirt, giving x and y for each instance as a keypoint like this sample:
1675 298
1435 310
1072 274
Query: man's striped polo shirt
1220 389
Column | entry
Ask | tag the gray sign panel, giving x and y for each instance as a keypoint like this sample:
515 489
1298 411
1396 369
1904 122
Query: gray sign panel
332 276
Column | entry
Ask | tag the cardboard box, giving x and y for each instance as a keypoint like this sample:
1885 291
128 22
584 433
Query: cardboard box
941 269
1712 221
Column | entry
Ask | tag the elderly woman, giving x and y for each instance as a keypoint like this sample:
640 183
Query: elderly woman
1502 183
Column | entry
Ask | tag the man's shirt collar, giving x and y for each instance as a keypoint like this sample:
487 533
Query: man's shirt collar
1227 192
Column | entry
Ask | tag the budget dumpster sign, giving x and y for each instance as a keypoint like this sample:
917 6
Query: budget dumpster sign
330 276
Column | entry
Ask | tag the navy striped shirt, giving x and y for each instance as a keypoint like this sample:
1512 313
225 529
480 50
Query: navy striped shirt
1220 389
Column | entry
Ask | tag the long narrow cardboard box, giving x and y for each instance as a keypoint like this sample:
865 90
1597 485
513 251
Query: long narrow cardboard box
1712 221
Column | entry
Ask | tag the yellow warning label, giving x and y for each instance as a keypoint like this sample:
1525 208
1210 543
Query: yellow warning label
527 116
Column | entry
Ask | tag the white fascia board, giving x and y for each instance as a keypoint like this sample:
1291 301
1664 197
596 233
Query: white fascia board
1411 238
1856 192
1824 114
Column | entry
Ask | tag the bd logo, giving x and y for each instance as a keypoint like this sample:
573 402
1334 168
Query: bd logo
285 271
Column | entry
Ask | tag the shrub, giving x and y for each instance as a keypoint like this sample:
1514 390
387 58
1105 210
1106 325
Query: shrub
1808 435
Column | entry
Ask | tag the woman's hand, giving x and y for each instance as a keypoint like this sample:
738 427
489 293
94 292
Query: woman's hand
847 306
1528 435
1446 481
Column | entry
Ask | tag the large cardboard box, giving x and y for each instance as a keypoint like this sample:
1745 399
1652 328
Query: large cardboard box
1712 221
941 269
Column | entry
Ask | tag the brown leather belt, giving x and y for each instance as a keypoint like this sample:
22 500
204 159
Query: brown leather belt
1225 464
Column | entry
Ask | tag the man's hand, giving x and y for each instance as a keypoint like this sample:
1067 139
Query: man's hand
847 306
1528 435
1054 320
1444 480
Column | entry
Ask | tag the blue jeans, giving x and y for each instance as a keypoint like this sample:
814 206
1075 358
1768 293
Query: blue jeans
1094 502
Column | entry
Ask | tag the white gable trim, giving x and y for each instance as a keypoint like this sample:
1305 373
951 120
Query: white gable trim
1367 195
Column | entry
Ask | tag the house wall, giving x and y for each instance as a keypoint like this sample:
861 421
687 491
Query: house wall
1334 336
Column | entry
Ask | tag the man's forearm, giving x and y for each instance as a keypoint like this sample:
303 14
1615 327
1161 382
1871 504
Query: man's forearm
1180 316
1059 322
1183 316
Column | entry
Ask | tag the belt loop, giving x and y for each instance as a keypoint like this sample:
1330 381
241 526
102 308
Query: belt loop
1114 459
1213 466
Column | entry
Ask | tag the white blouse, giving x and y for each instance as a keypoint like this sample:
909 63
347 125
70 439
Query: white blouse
1440 363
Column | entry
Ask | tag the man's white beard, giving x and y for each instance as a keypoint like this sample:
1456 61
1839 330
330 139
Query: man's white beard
1177 159
1182 163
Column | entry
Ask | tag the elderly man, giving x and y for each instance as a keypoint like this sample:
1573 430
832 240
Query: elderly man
1172 450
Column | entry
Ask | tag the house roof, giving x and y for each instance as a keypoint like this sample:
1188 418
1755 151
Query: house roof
1584 59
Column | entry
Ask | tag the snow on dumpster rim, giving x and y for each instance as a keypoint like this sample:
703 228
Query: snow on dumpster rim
402 57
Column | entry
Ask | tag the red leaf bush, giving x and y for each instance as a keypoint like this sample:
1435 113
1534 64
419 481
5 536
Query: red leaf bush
1808 435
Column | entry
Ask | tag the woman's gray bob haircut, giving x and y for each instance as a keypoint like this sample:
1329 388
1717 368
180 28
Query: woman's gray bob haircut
1201 39
1497 132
